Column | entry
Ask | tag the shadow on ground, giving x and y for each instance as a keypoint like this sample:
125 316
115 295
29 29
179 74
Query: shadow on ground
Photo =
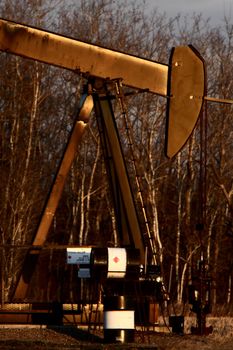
77 334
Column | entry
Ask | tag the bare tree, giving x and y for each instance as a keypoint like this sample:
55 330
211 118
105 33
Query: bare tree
37 110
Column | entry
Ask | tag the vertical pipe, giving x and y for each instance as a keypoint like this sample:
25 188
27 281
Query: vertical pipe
119 322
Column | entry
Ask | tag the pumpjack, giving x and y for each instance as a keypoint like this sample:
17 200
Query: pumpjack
182 82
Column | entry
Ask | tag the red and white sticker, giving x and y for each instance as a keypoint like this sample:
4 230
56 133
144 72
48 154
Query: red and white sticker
117 262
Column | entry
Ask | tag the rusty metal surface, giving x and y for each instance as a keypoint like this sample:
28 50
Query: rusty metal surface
186 91
82 57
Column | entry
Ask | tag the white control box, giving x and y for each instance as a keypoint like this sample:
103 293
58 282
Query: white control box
79 255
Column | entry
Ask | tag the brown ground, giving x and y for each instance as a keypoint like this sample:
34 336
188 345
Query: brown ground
67 338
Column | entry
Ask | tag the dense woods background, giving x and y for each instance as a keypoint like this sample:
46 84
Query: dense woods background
37 108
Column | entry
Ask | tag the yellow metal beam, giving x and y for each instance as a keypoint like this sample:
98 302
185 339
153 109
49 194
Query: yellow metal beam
218 100
128 218
53 199
82 57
